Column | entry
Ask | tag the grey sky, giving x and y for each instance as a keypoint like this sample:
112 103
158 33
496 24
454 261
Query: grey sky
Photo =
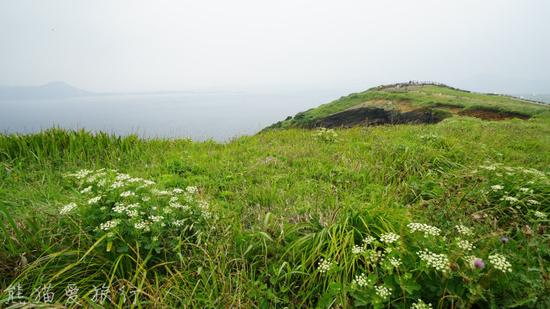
106 45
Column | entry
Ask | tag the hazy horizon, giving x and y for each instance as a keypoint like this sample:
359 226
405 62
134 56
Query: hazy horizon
284 46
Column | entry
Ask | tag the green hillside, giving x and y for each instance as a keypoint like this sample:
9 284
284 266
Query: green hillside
453 214
440 101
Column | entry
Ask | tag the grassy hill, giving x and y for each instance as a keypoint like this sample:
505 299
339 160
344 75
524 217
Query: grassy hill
455 214
411 103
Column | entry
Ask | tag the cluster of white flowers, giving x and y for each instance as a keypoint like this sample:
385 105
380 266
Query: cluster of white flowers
510 199
67 208
438 261
389 237
382 291
428 230
363 248
326 135
357 249
127 194
178 222
421 305
540 215
497 187
94 200
374 256
533 202
130 210
325 265
86 190
464 244
368 240
361 280
464 230
143 225
489 167
526 190
395 262
500 262
109 224
127 212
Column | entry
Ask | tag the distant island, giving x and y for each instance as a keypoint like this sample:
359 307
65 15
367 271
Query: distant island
51 90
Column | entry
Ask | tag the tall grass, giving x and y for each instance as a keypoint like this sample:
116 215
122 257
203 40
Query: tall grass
285 200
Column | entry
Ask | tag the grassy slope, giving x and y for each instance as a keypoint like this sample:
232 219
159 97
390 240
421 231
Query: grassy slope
284 198
419 96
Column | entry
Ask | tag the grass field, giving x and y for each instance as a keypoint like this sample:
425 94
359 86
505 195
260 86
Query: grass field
453 215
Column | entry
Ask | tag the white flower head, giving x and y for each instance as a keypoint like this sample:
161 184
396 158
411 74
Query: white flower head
382 291
109 224
438 261
428 230
94 200
361 280
325 265
389 237
540 215
500 262
67 208
464 230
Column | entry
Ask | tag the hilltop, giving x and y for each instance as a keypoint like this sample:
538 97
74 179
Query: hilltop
411 102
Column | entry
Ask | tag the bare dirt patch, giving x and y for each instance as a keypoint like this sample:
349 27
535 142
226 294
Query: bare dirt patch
487 114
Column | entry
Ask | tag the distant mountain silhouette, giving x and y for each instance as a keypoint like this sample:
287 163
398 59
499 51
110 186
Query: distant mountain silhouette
48 91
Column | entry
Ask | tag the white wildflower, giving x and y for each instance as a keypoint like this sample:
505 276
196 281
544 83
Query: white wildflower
382 291
500 262
192 189
127 194
510 199
540 215
117 184
361 280
325 265
389 237
109 224
438 261
163 192
464 230
94 200
421 305
178 222
357 249
526 190
145 198
177 191
375 256
148 183
86 190
497 187
156 218
395 262
368 240
428 230
122 177
533 202
67 208
142 225
464 244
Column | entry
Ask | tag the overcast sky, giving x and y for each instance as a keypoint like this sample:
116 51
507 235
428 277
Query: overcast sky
106 45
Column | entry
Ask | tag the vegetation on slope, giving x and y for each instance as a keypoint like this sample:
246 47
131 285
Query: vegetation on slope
441 100
453 214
